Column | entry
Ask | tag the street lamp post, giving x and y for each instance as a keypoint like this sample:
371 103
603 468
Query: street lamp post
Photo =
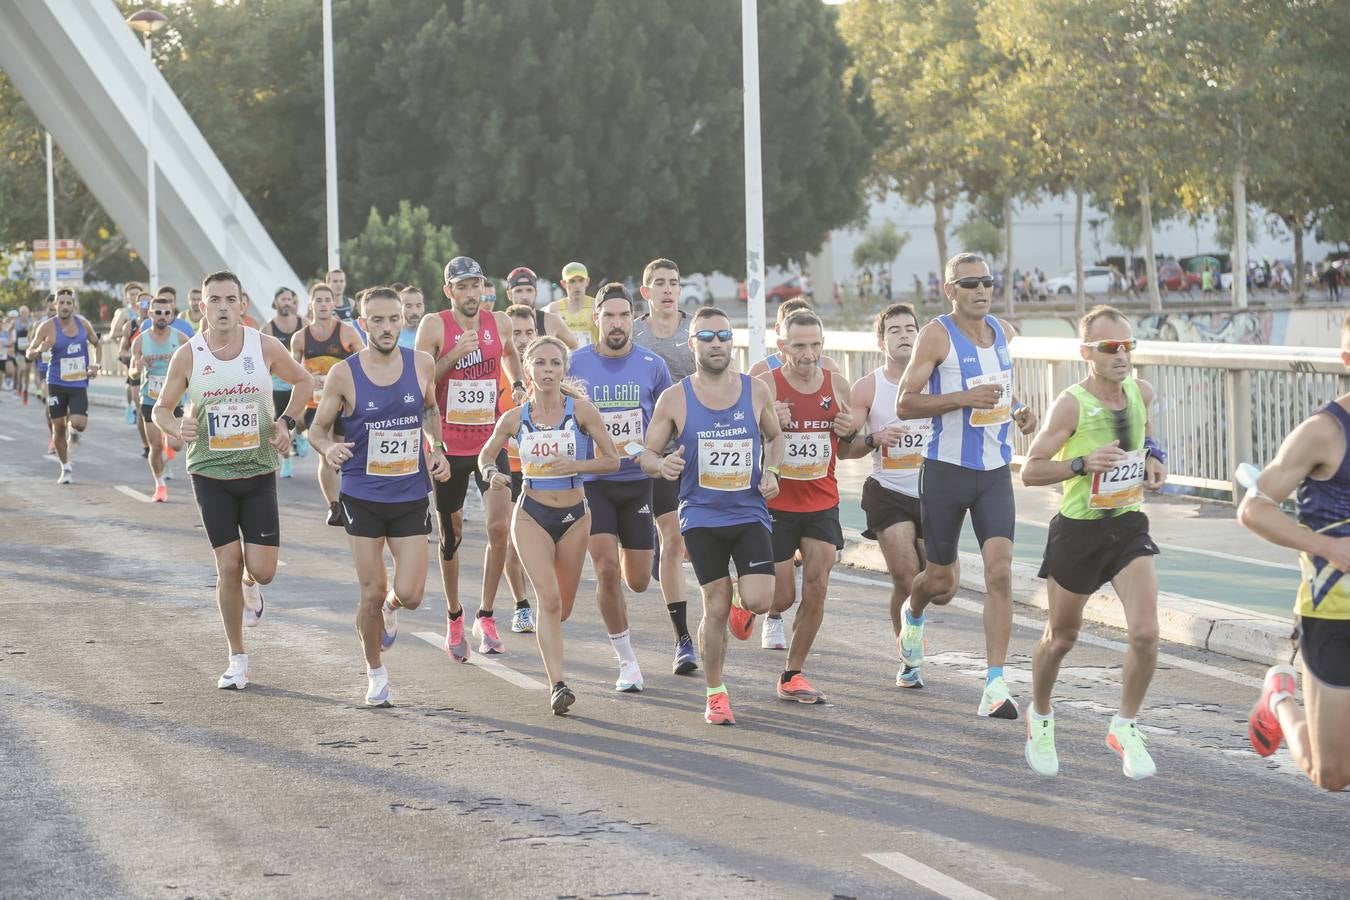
754 181
146 22
330 136
51 214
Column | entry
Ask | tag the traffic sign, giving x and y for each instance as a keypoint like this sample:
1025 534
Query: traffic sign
66 249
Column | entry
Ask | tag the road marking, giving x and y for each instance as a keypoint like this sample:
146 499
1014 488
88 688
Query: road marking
134 494
926 876
1179 662
5 437
487 664
1179 548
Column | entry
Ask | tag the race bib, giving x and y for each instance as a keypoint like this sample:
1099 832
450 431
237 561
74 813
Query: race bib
806 455
725 465
909 450
986 418
74 368
22 343
471 402
624 426
46 357
232 426
153 385
1120 486
393 452
542 452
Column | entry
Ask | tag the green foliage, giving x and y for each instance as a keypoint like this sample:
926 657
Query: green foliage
981 236
879 247
405 247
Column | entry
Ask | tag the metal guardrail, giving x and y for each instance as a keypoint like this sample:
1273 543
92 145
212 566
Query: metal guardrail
1217 404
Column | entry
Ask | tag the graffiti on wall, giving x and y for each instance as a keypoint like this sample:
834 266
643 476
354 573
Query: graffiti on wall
1238 327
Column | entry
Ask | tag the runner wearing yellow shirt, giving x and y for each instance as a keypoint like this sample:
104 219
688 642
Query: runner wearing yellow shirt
577 309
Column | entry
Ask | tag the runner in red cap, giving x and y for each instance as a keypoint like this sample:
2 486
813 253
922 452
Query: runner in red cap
522 289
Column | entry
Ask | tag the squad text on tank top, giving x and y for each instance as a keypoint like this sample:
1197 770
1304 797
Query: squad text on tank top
387 464
722 462
232 402
155 357
69 366
896 468
1324 506
809 447
468 394
973 438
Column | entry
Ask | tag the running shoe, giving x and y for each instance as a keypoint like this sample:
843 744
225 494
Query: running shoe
169 452
253 603
287 469
236 676
718 711
377 688
301 444
686 661
630 677
771 635
522 620
485 632
799 689
51 446
67 476
335 514
1040 749
742 621
161 493
390 631
996 702
562 699
129 416
1129 746
1263 726
455 644
910 641
909 677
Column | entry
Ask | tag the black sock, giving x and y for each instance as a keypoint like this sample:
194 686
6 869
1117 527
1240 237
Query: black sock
559 684
775 615
485 614
787 676
523 603
455 615
679 618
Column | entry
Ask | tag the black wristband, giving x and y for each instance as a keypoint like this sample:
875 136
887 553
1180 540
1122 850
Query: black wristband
290 423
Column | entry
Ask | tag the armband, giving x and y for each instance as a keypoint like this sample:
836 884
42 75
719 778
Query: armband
1155 451
775 470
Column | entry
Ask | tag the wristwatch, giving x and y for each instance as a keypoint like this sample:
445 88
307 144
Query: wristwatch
1078 465
438 445
870 441
776 473
518 385
290 423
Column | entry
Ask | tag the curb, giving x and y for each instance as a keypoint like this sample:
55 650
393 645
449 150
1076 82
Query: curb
1203 624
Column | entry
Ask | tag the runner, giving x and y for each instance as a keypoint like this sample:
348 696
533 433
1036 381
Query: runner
151 352
232 451
1314 460
577 309
194 313
386 397
320 347
522 289
624 383
8 370
1098 442
522 333
24 326
336 280
665 331
75 358
171 294
283 326
557 429
960 376
805 512
775 360
414 307
890 495
131 326
40 367
466 342
727 457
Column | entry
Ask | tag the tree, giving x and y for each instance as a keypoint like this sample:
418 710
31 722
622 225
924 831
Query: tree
879 247
404 247
983 237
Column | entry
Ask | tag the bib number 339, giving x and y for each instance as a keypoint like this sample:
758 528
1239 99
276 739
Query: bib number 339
471 402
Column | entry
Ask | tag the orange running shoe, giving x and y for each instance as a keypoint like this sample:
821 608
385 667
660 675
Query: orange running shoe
741 622
1263 726
169 452
719 710
161 493
799 689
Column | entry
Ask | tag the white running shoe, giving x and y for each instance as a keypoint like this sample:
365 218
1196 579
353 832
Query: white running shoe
236 676
66 476
630 677
771 635
996 702
377 687
253 603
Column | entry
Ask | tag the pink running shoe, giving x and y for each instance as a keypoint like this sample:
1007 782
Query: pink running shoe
455 645
485 632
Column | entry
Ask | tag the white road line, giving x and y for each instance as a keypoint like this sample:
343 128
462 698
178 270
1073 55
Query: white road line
5 437
926 876
1178 662
134 494
487 664
1179 548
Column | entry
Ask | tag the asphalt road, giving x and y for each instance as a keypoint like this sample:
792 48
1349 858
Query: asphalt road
126 773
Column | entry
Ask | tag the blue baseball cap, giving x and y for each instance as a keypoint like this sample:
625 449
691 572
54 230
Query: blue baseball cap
460 268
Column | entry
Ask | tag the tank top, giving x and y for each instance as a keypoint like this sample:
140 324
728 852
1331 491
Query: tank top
896 468
674 349
21 334
504 405
542 445
582 322
624 389
279 384
468 393
155 356
810 447
1324 507
973 438
232 400
1103 494
69 366
322 355
387 464
722 462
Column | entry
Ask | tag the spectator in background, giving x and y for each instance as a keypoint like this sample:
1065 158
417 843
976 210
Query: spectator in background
884 282
1207 281
918 289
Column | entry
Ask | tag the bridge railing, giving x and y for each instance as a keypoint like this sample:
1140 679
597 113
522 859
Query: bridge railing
1217 404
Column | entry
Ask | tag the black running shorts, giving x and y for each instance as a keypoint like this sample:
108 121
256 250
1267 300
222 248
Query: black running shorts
791 528
665 496
369 519
711 551
948 492
64 401
1084 554
885 507
1325 645
235 507
623 508
450 495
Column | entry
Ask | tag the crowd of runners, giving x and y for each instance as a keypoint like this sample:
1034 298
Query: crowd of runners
593 429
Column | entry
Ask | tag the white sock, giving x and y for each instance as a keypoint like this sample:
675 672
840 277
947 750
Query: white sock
1037 715
375 672
159 480
623 646
1119 720
1276 699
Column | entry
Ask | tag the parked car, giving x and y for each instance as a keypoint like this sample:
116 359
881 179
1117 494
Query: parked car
1096 280
776 294
1172 277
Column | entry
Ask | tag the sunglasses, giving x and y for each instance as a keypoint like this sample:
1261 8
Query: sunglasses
161 312
973 281
1111 348
708 337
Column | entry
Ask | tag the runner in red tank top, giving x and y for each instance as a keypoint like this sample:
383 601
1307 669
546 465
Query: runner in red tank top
812 407
466 342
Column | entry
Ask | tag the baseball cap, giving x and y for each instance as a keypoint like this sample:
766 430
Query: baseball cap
574 270
521 275
612 290
460 268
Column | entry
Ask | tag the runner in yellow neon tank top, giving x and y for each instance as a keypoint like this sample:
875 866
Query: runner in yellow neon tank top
577 309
